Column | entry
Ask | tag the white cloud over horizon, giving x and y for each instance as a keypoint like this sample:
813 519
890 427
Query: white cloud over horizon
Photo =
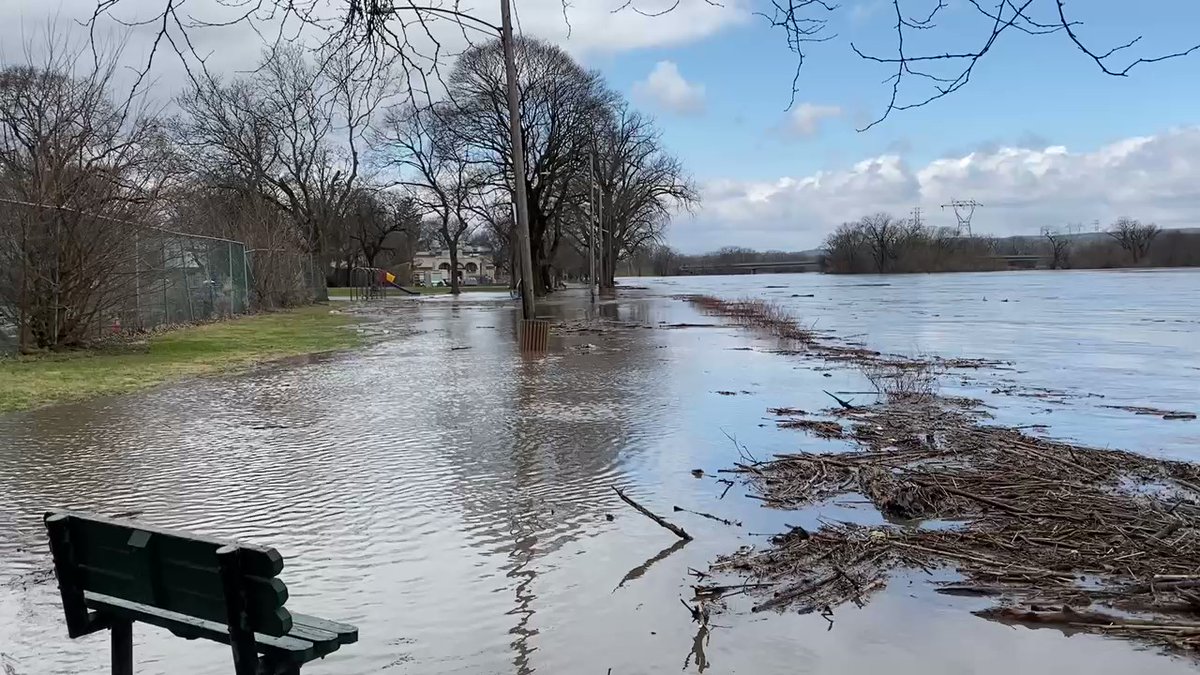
667 90
1153 178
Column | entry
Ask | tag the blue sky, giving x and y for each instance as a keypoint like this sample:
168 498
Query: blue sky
1030 92
1040 89
1040 136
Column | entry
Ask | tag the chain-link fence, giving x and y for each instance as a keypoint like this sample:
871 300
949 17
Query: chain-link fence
69 278
181 278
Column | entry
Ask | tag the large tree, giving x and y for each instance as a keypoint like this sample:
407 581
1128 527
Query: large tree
1134 236
561 106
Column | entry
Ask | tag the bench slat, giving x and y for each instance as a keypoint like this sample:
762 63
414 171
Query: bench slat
174 571
192 596
260 561
292 649
346 633
324 642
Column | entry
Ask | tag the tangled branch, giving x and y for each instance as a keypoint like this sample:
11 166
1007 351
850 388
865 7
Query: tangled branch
409 34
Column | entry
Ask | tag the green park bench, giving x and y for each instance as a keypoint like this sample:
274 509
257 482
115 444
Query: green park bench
112 573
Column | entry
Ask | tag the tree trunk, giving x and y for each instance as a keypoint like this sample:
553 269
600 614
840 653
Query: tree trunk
454 285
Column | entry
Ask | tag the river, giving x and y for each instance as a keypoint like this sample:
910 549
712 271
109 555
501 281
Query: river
453 498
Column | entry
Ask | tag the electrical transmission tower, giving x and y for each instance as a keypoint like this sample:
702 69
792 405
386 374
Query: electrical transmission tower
963 211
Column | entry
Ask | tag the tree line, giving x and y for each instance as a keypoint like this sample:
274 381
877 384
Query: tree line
882 243
316 160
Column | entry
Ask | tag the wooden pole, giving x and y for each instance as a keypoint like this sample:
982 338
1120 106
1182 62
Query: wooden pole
524 253
591 231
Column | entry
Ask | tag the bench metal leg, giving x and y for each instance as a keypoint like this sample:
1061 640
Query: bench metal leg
122 647
268 667
241 638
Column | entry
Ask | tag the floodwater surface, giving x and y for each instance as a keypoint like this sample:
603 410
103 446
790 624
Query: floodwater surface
454 499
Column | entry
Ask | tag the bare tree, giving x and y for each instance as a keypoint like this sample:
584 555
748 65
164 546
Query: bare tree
375 219
436 166
1133 236
77 165
1060 248
292 133
883 235
843 248
561 104
664 260
638 187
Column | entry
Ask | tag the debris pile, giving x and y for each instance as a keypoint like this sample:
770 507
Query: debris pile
774 320
1047 527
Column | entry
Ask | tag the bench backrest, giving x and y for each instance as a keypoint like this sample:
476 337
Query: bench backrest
171 570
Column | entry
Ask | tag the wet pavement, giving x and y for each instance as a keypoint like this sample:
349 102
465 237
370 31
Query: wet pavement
449 495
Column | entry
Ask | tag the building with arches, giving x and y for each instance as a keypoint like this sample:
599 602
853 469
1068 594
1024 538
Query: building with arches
475 267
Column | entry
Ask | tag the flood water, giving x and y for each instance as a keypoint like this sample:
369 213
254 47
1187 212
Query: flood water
450 497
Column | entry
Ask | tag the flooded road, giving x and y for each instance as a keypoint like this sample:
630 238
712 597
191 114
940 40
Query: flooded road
449 496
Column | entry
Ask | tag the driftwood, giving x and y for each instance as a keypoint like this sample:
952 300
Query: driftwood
1033 522
678 531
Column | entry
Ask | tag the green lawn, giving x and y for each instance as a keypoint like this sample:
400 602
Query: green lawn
423 290
35 381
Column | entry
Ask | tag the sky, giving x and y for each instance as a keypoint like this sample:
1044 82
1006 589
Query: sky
1039 135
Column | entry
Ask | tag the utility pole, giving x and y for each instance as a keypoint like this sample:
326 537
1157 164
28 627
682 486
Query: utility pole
591 231
600 232
916 216
518 161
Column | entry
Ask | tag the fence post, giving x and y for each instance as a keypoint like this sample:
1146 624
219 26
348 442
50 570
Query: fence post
229 255
166 305
137 286
187 284
245 279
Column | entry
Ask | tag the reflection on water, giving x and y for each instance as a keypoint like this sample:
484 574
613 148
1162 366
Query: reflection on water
453 498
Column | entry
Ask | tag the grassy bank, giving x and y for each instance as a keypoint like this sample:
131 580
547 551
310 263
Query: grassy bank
424 290
30 382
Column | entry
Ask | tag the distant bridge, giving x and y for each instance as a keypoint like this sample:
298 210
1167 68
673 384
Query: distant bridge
778 267
1019 262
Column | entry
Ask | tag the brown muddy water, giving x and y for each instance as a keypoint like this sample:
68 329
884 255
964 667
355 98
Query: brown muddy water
450 496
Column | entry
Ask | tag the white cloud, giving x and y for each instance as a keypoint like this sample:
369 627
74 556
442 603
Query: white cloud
666 89
1153 178
805 119
596 28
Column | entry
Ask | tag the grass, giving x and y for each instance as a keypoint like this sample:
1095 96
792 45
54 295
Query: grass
424 290
35 381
